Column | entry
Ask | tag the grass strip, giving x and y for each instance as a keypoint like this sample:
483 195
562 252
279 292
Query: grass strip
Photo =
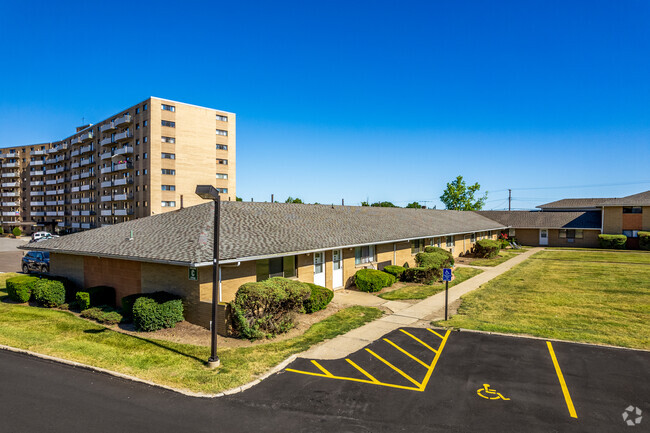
503 256
61 334
421 291
565 299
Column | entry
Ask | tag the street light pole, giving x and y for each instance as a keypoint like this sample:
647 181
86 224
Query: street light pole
214 361
210 193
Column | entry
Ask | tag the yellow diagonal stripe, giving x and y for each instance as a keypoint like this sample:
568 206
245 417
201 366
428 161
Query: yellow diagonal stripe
434 332
405 352
420 341
560 376
321 368
425 381
415 382
352 379
368 375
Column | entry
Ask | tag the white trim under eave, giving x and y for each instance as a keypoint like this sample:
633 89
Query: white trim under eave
294 253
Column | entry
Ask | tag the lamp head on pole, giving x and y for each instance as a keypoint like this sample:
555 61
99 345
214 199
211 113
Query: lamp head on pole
207 192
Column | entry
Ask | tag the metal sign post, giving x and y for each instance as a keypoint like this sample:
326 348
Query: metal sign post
446 277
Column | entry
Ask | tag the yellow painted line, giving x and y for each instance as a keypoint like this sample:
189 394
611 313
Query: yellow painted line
434 332
405 352
406 376
420 341
321 368
352 379
425 381
368 375
565 390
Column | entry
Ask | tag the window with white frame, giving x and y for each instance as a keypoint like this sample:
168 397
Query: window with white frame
631 233
364 254
222 176
168 123
222 132
222 147
166 107
472 238
167 139
511 232
417 246
168 171
222 190
222 118
276 267
168 203
222 161
449 242
165 155
168 187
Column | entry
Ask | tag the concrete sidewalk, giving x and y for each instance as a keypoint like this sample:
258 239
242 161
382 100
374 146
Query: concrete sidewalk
404 314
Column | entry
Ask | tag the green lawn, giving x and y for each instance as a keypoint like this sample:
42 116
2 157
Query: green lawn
503 256
421 291
610 256
61 334
569 295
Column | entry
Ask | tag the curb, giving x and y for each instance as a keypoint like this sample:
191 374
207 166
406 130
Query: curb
231 391
534 337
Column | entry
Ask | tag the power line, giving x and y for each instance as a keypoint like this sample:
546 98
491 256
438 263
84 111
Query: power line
574 186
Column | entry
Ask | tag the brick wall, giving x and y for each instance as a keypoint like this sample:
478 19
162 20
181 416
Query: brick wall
123 275
68 266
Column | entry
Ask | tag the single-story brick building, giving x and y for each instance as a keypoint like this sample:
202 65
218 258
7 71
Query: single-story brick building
313 243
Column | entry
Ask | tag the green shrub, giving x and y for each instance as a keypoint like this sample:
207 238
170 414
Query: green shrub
644 240
16 231
421 275
49 293
504 243
20 288
2 231
435 260
103 314
157 311
394 270
83 300
70 287
127 305
487 248
101 295
441 251
319 298
265 308
371 280
616 242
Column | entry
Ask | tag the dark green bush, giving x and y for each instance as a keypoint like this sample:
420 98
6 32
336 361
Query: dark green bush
156 311
441 251
319 298
265 308
616 242
49 293
20 288
421 275
83 300
103 314
487 248
371 280
127 305
394 270
101 295
644 240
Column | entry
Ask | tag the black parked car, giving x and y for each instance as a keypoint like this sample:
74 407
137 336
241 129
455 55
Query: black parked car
35 261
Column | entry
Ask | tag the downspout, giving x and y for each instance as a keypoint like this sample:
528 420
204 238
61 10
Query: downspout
602 219
229 265
394 254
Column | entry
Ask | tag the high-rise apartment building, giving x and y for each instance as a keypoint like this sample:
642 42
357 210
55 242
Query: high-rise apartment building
145 160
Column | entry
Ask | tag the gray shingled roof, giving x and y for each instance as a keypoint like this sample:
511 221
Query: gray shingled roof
640 199
546 220
574 203
251 230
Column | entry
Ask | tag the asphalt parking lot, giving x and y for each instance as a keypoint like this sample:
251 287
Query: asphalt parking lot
418 379
9 255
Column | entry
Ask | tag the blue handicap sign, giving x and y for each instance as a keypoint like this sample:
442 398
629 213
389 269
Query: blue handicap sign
446 274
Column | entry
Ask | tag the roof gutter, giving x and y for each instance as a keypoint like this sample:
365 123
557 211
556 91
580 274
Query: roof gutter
108 256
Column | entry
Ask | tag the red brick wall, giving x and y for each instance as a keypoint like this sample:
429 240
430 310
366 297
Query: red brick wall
123 275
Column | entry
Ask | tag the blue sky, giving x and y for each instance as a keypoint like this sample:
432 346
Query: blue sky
358 100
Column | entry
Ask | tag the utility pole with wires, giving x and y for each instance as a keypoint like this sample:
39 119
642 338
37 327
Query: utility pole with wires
509 199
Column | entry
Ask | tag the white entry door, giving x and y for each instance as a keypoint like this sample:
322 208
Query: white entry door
337 269
543 236
319 269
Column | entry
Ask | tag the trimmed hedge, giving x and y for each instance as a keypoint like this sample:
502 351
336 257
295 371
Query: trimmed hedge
101 295
49 293
616 242
158 310
265 308
16 231
441 251
421 275
394 270
319 298
436 260
371 280
83 300
103 314
644 240
487 248
20 288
